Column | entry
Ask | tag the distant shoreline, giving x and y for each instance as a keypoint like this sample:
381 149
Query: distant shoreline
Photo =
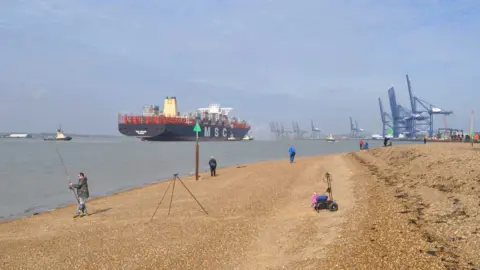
39 135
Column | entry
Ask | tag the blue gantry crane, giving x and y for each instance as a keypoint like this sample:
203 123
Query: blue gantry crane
357 128
353 129
386 119
422 113
401 117
315 132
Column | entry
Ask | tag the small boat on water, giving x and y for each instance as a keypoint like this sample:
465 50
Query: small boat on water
59 137
17 136
247 138
330 138
231 138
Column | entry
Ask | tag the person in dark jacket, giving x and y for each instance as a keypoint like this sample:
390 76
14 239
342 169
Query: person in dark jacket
213 166
82 193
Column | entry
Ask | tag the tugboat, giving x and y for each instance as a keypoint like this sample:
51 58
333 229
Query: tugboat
330 138
231 138
247 138
59 137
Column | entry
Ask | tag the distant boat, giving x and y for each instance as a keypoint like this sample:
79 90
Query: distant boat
247 138
18 136
59 137
231 138
330 138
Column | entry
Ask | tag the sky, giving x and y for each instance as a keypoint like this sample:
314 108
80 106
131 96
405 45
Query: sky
80 63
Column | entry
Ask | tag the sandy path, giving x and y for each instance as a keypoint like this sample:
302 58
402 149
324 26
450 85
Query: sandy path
259 217
292 233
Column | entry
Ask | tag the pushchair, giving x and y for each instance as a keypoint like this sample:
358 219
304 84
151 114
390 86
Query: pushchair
324 203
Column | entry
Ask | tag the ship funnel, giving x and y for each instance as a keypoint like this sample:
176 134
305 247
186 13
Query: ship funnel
170 107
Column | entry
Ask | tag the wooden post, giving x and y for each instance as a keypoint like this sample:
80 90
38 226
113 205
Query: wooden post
197 129
197 153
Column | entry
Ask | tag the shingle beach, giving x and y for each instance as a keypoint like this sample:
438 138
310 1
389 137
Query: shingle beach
401 207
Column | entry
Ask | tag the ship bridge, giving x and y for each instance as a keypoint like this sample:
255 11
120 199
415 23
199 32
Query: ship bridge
215 109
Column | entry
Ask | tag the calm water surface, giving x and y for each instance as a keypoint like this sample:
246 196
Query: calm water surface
32 178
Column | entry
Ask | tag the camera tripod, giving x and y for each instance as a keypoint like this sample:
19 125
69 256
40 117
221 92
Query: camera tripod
175 177
328 179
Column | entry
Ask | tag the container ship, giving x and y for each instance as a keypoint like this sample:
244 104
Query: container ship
170 125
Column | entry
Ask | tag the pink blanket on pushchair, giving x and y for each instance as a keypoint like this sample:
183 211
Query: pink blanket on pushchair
314 199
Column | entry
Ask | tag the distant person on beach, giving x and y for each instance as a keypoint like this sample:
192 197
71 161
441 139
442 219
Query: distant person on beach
385 141
361 144
425 139
365 146
213 166
292 153
82 193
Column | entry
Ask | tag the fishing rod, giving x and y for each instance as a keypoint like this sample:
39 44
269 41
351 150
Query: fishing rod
67 174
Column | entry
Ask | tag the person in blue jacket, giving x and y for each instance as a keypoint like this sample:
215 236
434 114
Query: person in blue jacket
292 153
365 146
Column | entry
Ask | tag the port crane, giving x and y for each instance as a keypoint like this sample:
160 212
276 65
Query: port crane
386 119
354 129
315 131
423 112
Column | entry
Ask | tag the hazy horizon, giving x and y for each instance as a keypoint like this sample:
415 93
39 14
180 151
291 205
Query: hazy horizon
80 63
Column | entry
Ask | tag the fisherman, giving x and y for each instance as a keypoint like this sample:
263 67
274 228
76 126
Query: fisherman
292 153
82 193
213 166
361 144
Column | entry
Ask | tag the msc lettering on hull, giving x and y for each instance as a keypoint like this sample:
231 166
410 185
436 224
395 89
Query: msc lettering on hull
216 132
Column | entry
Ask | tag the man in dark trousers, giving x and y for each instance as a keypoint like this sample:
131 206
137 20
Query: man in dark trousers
213 166
82 193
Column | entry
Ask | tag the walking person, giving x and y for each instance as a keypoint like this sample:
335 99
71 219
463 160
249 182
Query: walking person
292 153
425 139
361 144
213 166
82 193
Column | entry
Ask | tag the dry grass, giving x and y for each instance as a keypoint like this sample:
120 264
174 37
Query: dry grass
405 207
